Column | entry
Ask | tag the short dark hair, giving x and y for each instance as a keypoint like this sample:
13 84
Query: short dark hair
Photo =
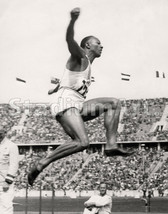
85 40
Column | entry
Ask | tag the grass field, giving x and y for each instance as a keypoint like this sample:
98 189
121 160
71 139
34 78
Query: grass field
69 205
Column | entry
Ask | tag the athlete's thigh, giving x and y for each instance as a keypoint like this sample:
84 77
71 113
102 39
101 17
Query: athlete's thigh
95 107
73 124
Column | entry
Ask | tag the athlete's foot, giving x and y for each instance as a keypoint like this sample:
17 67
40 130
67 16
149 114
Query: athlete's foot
32 175
116 151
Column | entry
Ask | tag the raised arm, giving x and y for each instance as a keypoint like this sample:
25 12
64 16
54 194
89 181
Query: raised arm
75 50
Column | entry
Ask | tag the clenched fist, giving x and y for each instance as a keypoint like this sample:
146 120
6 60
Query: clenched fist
75 13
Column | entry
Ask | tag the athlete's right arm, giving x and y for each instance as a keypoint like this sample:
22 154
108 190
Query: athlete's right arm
73 47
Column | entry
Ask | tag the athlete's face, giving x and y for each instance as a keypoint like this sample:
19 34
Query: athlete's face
95 46
103 189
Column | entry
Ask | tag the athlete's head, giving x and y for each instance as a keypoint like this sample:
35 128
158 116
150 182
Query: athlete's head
85 40
92 44
103 188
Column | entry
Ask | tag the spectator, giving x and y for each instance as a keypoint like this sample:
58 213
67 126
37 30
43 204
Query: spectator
8 168
101 203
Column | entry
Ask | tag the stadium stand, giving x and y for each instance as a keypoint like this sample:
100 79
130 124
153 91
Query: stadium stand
139 121
142 121
9 116
79 172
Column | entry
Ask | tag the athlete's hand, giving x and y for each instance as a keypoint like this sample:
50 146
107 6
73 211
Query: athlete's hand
75 13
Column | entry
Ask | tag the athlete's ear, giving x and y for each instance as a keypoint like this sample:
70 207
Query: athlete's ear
87 45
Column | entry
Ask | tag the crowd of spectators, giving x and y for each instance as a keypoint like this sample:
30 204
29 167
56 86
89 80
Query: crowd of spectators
59 172
139 116
162 135
120 173
39 126
159 179
9 116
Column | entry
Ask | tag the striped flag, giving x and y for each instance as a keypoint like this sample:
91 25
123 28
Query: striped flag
157 74
92 79
20 80
125 77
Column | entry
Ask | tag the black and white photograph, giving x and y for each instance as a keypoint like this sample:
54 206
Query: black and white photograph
83 106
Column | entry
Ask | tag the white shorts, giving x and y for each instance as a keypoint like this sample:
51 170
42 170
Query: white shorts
66 98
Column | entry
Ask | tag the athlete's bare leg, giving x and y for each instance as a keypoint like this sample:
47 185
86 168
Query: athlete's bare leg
73 125
111 108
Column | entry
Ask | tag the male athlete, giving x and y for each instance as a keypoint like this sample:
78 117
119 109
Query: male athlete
71 109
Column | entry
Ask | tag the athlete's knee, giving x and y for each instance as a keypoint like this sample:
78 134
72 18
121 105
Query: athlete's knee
119 104
116 104
84 143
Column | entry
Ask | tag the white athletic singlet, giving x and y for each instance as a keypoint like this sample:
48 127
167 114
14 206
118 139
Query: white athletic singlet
73 88
77 80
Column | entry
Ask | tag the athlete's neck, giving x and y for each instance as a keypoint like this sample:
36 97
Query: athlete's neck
90 56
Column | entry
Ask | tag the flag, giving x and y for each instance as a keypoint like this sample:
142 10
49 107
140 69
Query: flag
20 80
92 79
125 77
157 74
